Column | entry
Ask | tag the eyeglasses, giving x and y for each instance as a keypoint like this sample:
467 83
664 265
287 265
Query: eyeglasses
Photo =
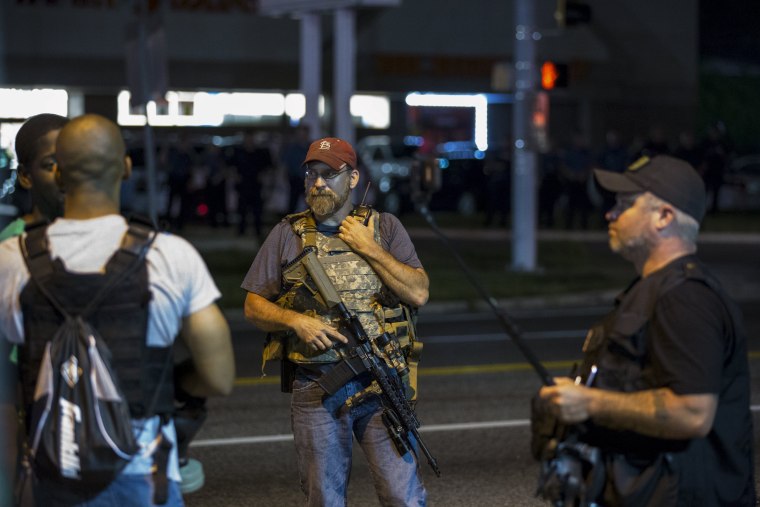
328 176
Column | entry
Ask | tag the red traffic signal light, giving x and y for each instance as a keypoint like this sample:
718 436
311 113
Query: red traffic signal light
553 75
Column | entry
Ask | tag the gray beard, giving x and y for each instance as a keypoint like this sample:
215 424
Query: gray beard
326 202
635 249
323 205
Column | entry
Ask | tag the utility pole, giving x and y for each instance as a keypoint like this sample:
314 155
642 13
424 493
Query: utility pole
344 54
524 155
147 79
311 70
344 81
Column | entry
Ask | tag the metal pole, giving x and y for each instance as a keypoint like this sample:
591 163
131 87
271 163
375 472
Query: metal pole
149 149
3 21
524 156
311 70
345 72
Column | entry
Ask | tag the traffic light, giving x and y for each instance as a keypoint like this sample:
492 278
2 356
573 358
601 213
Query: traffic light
553 75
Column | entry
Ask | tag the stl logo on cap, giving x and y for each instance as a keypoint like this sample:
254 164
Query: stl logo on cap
324 145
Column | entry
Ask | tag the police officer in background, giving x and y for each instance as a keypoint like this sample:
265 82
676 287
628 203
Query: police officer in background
664 391
370 259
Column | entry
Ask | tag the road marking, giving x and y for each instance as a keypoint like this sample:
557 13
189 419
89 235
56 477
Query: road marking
437 371
491 368
563 366
518 313
429 428
500 337
217 442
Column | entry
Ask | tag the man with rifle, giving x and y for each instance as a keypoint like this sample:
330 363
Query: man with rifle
660 409
337 286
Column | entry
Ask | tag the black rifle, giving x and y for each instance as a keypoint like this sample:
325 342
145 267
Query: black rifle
398 415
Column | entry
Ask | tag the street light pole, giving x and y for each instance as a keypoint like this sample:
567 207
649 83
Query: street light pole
146 92
524 156
311 70
345 72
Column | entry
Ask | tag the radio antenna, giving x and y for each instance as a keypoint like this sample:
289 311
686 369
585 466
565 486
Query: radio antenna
366 191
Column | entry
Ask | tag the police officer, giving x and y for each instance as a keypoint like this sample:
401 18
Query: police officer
664 392
374 267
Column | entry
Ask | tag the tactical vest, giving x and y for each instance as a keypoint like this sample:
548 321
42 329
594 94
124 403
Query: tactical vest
359 287
617 346
121 320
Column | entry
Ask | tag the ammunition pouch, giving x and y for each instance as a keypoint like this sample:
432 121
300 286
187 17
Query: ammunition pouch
341 373
399 321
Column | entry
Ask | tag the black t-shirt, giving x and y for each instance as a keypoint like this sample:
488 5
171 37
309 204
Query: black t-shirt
693 343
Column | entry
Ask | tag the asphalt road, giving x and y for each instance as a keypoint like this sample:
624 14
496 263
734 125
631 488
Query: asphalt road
475 391
474 405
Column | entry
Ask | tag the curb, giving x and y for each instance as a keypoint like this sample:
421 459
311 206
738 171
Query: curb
236 318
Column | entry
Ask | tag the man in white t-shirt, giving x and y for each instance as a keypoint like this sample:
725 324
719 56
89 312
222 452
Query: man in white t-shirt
92 162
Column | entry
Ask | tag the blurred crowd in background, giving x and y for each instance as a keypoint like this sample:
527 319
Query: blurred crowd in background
567 181
247 179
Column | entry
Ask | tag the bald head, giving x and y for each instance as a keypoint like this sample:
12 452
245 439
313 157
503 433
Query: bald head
90 152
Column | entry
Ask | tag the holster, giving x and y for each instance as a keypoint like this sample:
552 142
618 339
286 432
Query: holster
287 375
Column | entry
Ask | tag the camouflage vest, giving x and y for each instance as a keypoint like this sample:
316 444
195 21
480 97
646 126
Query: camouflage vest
359 287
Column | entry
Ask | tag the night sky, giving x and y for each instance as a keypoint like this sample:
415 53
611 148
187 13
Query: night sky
729 30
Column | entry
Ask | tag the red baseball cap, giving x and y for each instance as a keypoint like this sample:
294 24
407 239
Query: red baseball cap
334 152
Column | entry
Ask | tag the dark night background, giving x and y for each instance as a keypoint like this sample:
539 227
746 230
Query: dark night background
730 69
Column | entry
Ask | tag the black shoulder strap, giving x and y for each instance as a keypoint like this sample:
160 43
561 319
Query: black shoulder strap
35 249
140 235
36 252
134 247
127 259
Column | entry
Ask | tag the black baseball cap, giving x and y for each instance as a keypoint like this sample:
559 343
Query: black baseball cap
669 178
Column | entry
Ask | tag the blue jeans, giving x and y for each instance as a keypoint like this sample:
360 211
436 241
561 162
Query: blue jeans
124 491
324 427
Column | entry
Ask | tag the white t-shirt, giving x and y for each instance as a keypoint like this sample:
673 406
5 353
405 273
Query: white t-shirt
179 281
